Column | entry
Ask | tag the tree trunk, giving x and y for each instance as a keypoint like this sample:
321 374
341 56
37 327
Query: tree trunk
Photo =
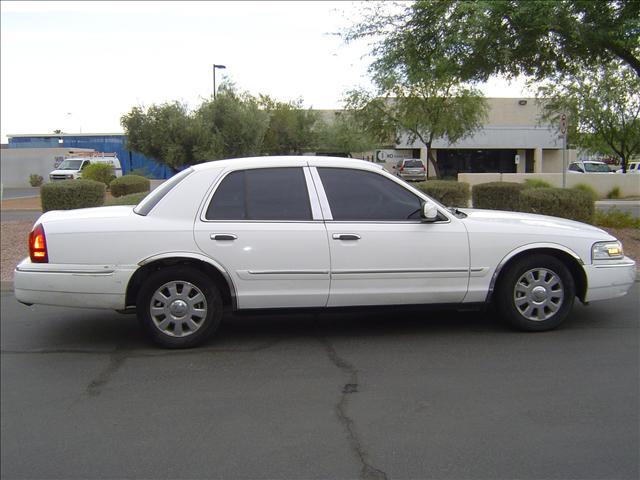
431 159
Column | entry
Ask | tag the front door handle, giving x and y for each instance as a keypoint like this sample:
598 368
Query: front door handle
223 236
346 236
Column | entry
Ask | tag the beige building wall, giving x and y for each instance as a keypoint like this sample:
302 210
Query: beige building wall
16 164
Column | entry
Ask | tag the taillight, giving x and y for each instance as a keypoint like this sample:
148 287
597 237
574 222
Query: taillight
38 245
423 168
402 168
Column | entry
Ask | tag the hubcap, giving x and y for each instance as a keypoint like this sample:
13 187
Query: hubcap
538 294
178 308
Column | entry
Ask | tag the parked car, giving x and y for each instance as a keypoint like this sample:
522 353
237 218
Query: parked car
632 167
589 166
411 169
71 167
310 232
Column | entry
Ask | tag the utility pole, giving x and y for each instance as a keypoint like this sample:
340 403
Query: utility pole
214 77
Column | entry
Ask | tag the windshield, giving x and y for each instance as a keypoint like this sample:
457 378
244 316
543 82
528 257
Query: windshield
70 165
596 167
151 200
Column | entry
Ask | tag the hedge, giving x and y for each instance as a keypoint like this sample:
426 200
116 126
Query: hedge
497 195
100 172
131 199
70 194
558 202
447 192
129 184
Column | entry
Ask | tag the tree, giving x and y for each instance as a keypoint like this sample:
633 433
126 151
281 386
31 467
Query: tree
425 109
166 132
472 40
344 135
229 126
232 124
291 127
604 109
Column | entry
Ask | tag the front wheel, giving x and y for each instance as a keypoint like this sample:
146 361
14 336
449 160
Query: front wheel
179 307
535 293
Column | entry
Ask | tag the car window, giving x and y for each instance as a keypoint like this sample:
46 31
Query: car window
151 200
596 167
261 194
362 195
413 164
575 167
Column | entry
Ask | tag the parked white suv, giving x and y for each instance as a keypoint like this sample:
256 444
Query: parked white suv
310 232
71 168
632 167
589 166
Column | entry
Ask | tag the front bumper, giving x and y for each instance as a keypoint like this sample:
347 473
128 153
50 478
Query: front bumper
609 280
86 286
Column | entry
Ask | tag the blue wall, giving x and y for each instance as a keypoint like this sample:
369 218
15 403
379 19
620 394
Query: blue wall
100 143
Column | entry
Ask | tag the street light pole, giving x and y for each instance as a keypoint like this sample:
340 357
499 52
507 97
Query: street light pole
214 77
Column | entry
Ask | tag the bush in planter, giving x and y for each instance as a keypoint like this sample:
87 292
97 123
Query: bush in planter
35 180
99 172
537 183
497 195
589 189
559 202
129 184
70 194
131 199
447 192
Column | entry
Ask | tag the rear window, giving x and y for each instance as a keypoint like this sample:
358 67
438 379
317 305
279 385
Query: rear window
151 200
413 164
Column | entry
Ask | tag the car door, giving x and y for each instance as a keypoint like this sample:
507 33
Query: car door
263 226
381 251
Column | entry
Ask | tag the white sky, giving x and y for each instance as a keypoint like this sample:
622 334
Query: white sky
80 66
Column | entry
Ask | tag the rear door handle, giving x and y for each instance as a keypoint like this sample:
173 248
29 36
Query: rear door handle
223 236
346 236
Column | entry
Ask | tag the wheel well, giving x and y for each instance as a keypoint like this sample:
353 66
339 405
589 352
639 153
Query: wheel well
576 270
212 272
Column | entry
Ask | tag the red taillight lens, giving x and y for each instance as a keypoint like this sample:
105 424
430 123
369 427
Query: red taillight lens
402 168
38 245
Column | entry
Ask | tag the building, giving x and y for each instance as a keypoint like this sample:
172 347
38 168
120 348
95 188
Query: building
99 142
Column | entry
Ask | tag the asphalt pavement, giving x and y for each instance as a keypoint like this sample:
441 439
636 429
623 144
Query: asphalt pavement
412 394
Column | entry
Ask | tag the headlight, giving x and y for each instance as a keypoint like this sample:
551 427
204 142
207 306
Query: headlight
607 251
69 176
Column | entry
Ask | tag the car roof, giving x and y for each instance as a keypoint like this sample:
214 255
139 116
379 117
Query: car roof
287 161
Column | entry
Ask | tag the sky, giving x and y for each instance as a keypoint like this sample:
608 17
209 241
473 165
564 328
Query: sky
80 66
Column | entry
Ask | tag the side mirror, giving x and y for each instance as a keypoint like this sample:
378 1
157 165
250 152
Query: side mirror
429 212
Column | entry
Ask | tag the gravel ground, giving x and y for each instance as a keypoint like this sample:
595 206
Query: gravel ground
15 234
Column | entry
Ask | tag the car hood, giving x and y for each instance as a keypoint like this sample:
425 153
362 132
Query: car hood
483 220
63 172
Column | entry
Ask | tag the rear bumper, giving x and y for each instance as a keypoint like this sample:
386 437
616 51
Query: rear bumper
86 286
606 281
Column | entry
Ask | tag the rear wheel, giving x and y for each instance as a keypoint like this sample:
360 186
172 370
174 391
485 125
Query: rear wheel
179 307
536 293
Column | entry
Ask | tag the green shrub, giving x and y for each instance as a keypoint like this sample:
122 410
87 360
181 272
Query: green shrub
615 218
141 172
497 195
131 199
99 172
449 193
614 193
588 189
537 183
35 180
70 194
129 184
559 202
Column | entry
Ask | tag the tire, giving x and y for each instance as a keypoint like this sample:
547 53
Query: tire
535 293
179 307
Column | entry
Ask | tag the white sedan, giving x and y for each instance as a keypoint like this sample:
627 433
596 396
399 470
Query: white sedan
310 232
